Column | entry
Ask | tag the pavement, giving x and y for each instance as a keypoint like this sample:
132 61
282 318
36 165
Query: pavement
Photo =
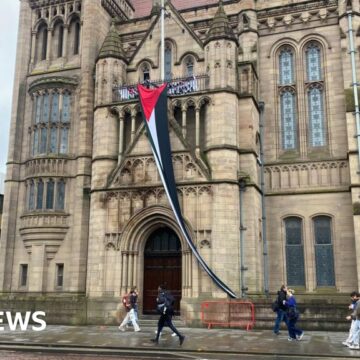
109 340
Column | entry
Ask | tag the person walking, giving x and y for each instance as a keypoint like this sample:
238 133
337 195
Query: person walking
165 306
131 307
281 310
355 296
293 316
354 340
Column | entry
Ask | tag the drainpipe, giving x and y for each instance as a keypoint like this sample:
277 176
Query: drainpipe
243 268
354 82
263 210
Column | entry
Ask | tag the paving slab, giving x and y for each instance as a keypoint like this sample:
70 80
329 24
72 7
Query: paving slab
232 341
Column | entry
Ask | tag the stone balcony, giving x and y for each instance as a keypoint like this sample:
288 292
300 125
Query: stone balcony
176 87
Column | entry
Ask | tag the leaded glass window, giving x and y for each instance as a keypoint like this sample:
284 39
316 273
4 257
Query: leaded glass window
55 108
40 194
50 128
45 117
66 108
43 138
53 139
288 120
35 141
286 64
60 195
50 194
313 62
316 117
168 61
324 256
64 140
38 109
295 268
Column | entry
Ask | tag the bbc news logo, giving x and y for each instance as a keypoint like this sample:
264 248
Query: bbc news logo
17 321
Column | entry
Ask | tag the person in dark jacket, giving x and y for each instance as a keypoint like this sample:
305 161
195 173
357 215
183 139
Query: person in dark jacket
281 310
293 315
165 306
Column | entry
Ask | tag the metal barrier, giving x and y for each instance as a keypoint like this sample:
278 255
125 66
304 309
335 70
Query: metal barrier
228 313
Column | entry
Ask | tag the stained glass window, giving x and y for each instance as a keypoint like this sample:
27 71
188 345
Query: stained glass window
313 62
316 117
286 66
295 268
324 256
288 119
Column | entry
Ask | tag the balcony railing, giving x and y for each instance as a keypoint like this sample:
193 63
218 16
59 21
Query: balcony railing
177 86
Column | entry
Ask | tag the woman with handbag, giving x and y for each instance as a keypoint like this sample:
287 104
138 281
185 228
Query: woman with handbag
293 315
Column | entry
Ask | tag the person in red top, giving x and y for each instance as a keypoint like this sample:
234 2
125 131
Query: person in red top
131 307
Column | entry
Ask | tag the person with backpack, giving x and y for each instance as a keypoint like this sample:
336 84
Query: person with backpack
280 309
130 303
293 315
165 307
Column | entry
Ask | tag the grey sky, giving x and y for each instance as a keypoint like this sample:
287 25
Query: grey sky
9 13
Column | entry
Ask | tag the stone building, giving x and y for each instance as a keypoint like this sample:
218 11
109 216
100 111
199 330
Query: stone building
265 154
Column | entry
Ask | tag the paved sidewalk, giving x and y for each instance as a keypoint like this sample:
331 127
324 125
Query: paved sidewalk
99 338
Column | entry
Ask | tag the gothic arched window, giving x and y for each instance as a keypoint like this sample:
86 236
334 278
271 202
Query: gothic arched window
74 36
42 36
189 66
295 267
145 72
288 100
58 39
315 95
286 66
324 255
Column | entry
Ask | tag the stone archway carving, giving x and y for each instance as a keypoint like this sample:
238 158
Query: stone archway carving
135 235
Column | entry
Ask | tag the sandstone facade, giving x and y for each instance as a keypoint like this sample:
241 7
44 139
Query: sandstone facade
83 196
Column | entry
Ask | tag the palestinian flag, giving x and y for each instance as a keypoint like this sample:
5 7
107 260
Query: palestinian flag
154 109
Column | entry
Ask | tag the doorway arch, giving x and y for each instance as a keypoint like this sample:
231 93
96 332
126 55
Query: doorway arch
162 265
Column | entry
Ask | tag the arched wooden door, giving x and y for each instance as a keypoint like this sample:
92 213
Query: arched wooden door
162 264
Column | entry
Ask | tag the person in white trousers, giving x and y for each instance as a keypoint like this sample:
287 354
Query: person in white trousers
131 307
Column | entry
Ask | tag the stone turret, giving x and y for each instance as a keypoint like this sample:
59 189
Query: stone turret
221 49
110 67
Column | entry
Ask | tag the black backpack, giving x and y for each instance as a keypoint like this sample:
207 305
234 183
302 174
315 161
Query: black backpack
275 305
167 304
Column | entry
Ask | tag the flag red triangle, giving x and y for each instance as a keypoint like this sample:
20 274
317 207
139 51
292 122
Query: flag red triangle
149 98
